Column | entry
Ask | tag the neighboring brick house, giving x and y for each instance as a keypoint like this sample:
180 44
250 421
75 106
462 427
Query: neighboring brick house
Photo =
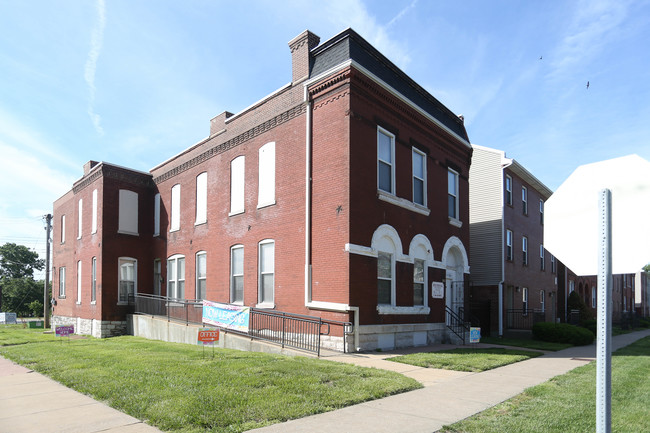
513 277
624 294
642 293
342 195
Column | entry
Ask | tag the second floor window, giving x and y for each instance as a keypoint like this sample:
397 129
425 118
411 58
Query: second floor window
201 199
128 212
541 211
385 161
237 180
452 193
509 245
542 262
419 178
524 249
266 175
175 223
524 200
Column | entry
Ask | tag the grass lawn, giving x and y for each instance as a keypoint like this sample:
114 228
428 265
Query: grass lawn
567 403
479 359
179 387
527 343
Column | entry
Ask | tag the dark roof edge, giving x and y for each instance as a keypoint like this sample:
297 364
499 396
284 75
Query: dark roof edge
350 33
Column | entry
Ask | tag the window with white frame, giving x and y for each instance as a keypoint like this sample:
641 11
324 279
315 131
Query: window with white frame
509 245
541 211
201 274
593 297
62 282
384 278
452 193
80 219
385 161
175 223
237 180
94 213
524 200
201 199
93 281
266 175
542 300
79 282
266 268
542 262
524 249
62 229
553 264
128 212
572 286
156 215
508 190
419 177
419 281
157 277
524 299
237 274
128 276
176 276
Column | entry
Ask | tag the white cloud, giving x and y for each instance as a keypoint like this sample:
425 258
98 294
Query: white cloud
91 63
592 27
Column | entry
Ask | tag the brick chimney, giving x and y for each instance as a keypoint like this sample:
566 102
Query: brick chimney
300 47
89 166
218 124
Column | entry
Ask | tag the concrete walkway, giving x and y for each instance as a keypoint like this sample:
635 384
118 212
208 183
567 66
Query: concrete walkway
447 397
31 402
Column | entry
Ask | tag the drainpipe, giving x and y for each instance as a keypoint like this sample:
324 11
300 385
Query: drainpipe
309 303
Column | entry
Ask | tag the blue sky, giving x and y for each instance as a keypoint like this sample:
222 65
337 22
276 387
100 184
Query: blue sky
135 82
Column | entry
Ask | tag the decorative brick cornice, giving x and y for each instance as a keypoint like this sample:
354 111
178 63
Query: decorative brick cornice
330 82
233 142
115 173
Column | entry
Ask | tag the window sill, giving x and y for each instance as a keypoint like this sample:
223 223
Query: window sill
392 309
78 303
93 303
403 203
266 305
265 204
455 222
236 212
174 230
122 232
199 223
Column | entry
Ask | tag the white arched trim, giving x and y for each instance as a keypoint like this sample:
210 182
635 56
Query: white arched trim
420 248
386 239
454 242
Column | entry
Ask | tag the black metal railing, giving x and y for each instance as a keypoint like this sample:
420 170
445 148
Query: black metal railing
277 327
456 324
523 319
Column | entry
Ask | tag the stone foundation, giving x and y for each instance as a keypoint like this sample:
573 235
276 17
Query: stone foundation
96 328
389 337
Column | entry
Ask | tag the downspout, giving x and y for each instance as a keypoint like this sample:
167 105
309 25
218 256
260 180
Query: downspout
503 249
309 303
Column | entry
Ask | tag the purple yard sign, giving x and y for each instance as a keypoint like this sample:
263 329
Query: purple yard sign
64 331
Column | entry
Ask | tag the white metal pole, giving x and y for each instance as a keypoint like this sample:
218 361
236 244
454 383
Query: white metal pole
604 347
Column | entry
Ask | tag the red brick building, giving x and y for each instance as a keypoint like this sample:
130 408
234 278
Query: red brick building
513 276
342 195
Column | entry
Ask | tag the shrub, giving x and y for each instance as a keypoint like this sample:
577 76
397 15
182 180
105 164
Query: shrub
644 323
591 325
575 302
562 333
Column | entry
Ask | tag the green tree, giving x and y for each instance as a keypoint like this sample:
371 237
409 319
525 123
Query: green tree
17 286
18 261
647 267
19 293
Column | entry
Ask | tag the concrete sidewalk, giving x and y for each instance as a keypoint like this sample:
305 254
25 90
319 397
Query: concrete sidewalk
31 402
448 397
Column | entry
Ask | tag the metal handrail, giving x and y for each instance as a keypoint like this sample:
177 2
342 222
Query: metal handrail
286 329
456 324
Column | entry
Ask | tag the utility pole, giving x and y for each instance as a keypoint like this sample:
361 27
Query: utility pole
46 297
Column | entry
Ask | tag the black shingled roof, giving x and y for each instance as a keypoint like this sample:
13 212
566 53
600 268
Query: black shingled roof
349 45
